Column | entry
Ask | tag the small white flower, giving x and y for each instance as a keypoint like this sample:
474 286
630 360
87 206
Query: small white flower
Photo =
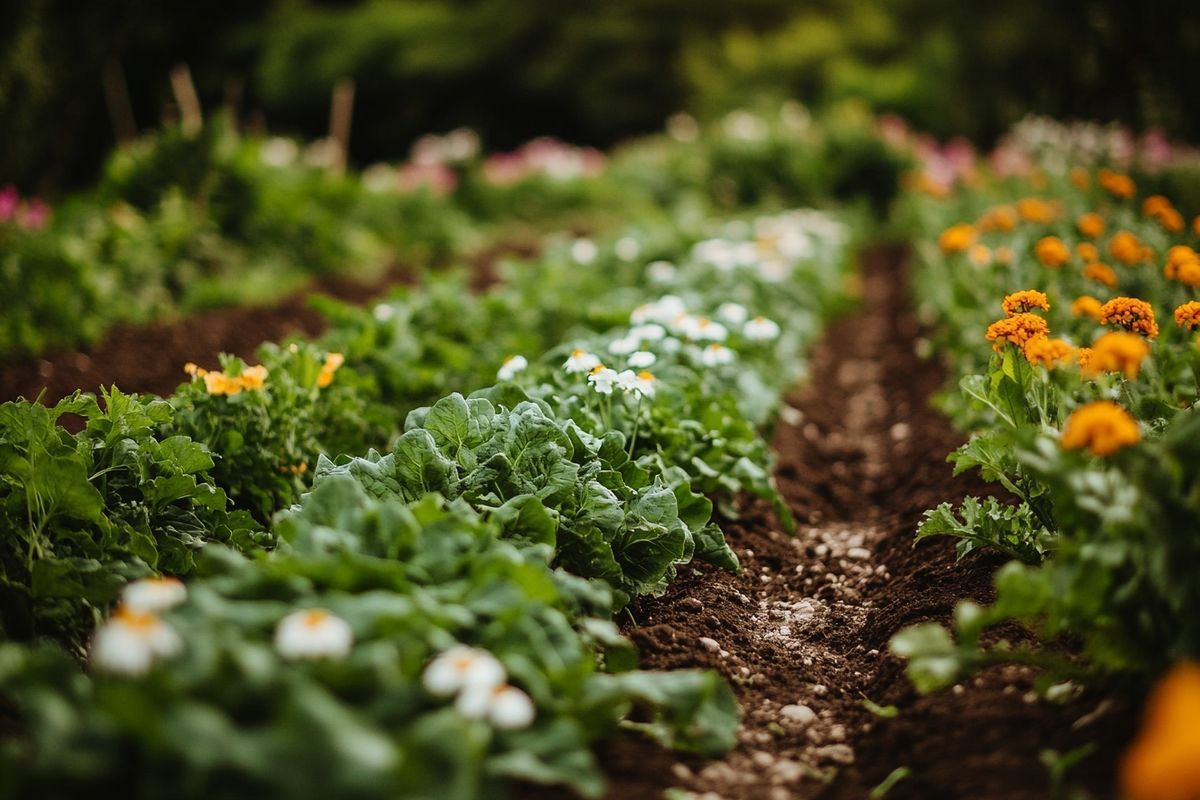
623 346
153 595
506 707
313 633
511 366
650 332
703 329
663 310
584 251
602 379
462 668
670 345
278 152
715 355
627 381
627 248
647 384
733 313
130 641
384 311
642 359
661 271
581 361
761 329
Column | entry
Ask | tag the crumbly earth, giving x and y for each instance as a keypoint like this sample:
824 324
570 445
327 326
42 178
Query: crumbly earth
801 632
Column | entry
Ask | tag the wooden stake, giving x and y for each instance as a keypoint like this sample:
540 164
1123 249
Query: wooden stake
340 113
189 102
116 97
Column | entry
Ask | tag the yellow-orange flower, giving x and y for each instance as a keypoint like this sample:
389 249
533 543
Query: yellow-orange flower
333 362
1155 204
1132 314
1086 306
1125 247
1048 352
220 383
1171 220
1017 330
980 255
1188 315
1163 763
1080 179
1177 255
254 377
998 218
1116 184
1004 254
1032 209
1051 251
191 369
1087 252
1116 352
1189 273
1083 355
1103 427
1101 273
957 238
1023 301
1091 225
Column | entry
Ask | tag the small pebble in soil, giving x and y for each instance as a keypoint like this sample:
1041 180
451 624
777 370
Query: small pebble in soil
681 772
692 604
762 759
858 553
785 631
798 713
819 689
709 644
837 753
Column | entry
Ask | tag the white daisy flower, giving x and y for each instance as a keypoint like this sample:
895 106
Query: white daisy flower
670 345
511 366
627 248
661 271
278 152
153 595
581 361
130 641
627 381
733 313
623 346
313 633
715 355
462 668
663 310
506 707
602 379
384 312
703 329
641 359
584 251
761 329
647 384
650 332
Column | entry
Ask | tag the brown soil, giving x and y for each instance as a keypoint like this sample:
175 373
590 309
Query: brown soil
802 631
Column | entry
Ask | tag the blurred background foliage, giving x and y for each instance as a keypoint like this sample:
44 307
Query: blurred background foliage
590 71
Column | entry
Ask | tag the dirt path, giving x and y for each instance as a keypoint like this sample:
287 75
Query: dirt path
802 632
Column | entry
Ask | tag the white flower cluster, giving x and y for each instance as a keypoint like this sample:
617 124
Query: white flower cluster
133 638
477 680
511 367
313 633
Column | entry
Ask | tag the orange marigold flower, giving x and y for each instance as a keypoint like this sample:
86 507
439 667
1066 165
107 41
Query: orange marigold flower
1131 314
254 377
980 255
1048 352
333 362
1017 330
1180 253
1091 225
998 218
1086 306
1125 247
1051 251
1023 301
957 238
1116 352
1101 273
1189 273
1188 315
1004 254
1103 427
1087 252
1171 220
1156 204
1116 184
1083 355
1080 179
1163 763
1032 209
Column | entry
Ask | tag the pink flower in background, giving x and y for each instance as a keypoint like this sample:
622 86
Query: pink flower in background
35 215
1008 160
439 179
503 169
9 200
1155 148
894 130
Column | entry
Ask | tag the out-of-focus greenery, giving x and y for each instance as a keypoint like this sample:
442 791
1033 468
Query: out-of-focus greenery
591 72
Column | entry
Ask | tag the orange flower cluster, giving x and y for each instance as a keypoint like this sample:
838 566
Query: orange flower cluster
1183 265
1127 248
1103 427
1051 251
1023 301
1087 252
1188 315
980 255
294 469
1115 352
1047 352
1101 273
1017 330
1086 306
215 382
1131 314
333 362
1116 184
1091 225
957 238
1159 208
998 218
1163 763
1033 209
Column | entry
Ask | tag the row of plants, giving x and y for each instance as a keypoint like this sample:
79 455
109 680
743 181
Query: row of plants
182 222
1063 294
390 559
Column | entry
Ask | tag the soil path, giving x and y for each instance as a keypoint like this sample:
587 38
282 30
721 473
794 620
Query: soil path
802 632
